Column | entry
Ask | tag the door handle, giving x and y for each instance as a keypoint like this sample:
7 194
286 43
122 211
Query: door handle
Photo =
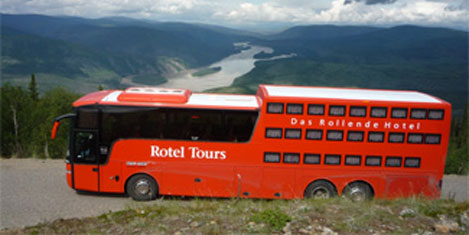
95 169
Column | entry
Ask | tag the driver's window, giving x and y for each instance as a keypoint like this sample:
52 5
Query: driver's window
85 147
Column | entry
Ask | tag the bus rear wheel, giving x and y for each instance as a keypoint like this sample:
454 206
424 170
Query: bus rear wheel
142 188
320 189
358 192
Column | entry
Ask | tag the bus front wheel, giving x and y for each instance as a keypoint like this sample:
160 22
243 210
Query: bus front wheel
358 192
142 188
320 189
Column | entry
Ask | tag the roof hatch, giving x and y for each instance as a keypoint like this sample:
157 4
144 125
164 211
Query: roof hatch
155 95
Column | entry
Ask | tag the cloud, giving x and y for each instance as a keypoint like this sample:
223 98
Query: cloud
244 12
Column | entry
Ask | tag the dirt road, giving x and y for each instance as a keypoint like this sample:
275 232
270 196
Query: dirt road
34 191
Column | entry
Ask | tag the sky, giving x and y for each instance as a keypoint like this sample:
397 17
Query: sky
249 13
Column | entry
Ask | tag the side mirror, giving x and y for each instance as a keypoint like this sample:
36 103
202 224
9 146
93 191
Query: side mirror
54 129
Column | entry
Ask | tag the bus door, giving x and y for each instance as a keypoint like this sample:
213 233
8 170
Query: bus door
85 160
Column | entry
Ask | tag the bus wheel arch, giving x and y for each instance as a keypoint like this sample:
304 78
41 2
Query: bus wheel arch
358 191
141 187
320 188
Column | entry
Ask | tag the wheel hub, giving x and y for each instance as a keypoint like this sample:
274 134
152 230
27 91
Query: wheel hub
320 192
142 187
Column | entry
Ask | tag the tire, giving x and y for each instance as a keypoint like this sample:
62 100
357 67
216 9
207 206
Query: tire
358 192
142 188
320 189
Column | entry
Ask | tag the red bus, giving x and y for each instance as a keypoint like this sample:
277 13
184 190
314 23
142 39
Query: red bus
285 142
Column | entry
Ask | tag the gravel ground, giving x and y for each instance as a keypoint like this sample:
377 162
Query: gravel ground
34 191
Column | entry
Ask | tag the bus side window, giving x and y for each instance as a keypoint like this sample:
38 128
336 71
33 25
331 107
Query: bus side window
358 111
393 161
271 157
353 160
375 137
336 110
315 109
276 108
355 136
395 137
335 135
432 139
418 114
332 159
85 147
436 114
373 161
312 158
413 162
314 134
379 112
399 113
294 108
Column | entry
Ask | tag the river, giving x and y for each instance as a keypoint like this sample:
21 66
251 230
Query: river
232 67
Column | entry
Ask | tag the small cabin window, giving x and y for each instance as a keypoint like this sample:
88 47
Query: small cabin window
418 113
293 133
315 109
394 161
399 113
332 159
291 158
375 137
379 112
311 158
413 162
436 114
275 133
395 137
335 135
373 161
271 157
355 136
294 108
275 108
313 134
414 138
353 160
358 111
432 138
336 110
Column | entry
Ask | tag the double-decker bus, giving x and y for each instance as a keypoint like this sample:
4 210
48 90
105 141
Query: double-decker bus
284 142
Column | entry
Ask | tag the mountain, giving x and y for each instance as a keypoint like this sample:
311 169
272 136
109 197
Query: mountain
107 49
432 60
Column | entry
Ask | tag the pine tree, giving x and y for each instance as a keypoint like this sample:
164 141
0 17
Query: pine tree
100 88
33 88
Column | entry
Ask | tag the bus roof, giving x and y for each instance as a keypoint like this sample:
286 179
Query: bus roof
347 94
178 98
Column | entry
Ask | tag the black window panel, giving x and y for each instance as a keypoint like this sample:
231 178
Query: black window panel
291 158
87 118
432 139
373 161
295 108
355 136
275 133
353 160
312 158
436 114
271 157
395 137
335 135
414 138
418 113
358 111
315 109
314 134
375 137
293 133
275 108
379 112
179 124
332 159
337 110
394 161
413 162
399 113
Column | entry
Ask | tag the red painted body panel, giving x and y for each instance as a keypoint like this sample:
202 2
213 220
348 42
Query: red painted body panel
85 178
218 169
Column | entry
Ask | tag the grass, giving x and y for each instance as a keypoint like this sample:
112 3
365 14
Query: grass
243 216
